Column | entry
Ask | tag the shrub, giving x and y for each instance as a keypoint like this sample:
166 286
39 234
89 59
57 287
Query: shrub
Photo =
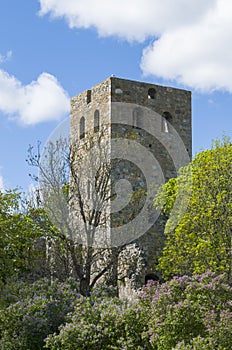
197 343
98 323
192 313
41 308
186 308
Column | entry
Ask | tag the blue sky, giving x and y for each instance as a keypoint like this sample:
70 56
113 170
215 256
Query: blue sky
50 50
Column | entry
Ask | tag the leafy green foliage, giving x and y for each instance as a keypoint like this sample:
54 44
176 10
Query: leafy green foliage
189 312
40 309
102 323
184 313
197 343
18 235
199 229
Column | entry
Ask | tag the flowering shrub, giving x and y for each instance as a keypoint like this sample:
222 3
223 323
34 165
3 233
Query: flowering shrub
186 308
41 308
98 323
186 313
197 343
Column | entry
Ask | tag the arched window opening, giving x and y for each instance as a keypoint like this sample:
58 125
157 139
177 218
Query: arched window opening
82 128
137 118
96 120
167 117
151 94
88 96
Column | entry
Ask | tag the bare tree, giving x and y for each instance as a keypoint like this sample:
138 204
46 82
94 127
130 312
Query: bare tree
74 186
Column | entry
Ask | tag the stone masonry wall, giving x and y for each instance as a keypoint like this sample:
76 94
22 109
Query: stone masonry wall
175 105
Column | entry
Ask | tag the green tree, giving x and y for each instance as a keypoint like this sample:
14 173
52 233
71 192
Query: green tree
18 236
199 227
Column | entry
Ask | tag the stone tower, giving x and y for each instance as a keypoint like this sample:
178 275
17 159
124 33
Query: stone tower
155 121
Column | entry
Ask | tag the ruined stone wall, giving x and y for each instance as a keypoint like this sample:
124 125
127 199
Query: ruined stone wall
163 113
86 148
177 102
171 104
85 104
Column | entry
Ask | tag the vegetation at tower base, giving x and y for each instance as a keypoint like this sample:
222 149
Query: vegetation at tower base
32 311
188 312
184 313
200 239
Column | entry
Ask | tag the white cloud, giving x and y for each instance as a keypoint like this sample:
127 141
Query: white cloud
198 55
7 57
192 39
41 100
129 19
